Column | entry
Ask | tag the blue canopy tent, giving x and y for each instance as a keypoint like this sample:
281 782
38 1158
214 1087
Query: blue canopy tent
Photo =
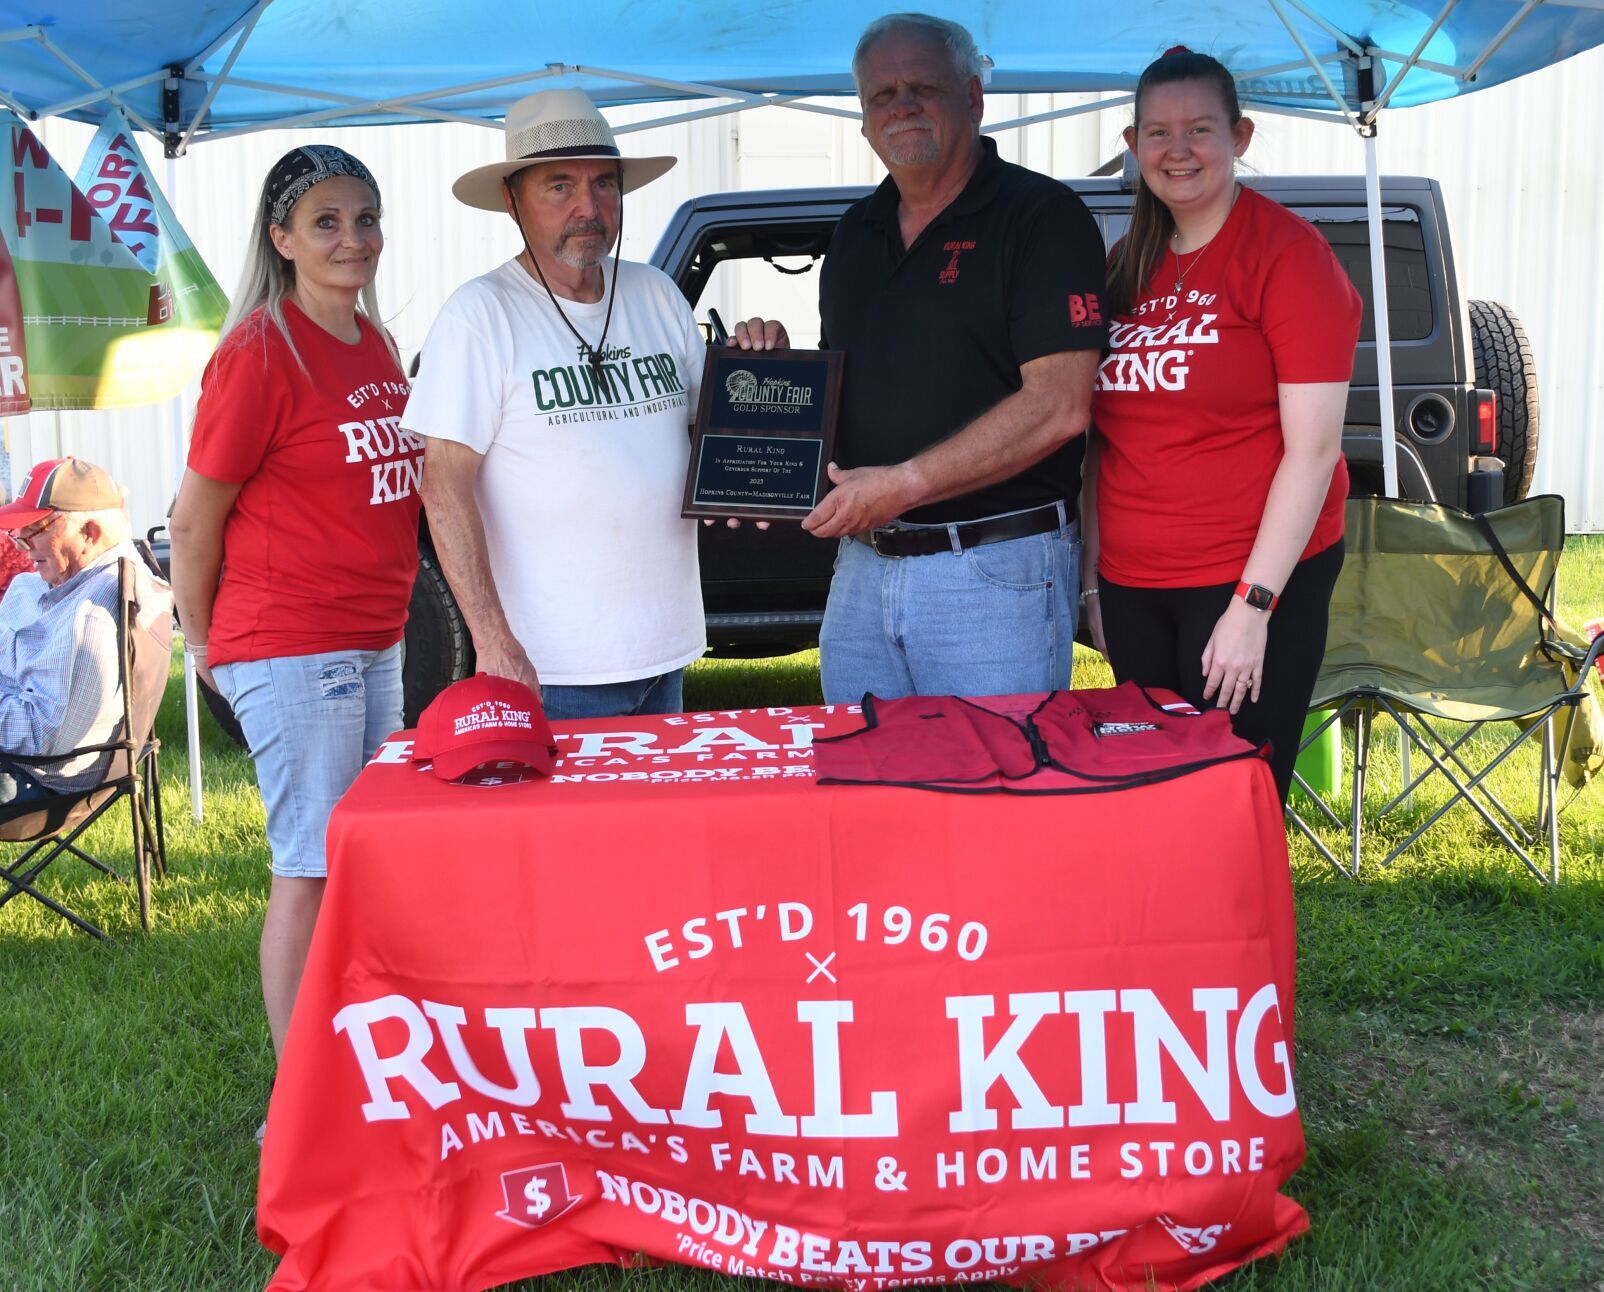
196 71
193 71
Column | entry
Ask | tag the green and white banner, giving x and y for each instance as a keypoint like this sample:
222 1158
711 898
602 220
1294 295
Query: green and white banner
104 301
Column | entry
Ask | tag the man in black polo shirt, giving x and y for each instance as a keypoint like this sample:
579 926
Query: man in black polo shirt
966 292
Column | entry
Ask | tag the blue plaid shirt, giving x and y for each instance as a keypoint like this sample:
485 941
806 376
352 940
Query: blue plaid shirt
58 670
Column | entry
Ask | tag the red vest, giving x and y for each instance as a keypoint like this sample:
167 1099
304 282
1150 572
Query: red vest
1071 742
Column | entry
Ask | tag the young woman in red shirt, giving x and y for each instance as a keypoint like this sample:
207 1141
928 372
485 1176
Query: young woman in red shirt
1212 512
296 526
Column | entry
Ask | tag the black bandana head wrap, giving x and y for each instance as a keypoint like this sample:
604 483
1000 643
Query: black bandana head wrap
295 172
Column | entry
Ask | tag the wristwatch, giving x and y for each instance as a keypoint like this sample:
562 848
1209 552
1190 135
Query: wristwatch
1258 596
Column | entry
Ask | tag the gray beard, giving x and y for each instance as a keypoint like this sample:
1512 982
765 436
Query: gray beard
912 148
570 254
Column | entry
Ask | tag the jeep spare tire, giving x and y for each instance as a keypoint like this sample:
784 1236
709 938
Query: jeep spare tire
1504 364
438 650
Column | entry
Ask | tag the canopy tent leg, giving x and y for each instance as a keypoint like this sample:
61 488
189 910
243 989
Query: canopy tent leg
192 724
1378 294
192 698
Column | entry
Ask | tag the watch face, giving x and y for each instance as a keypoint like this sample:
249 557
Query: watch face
1259 598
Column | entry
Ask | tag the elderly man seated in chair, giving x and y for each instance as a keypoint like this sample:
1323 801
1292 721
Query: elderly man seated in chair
59 679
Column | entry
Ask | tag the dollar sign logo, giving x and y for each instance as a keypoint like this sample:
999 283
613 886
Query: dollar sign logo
538 1200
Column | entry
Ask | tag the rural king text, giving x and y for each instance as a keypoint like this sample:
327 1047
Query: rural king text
1232 1059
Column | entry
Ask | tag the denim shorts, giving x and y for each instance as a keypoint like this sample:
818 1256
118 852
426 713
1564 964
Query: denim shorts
311 722
998 619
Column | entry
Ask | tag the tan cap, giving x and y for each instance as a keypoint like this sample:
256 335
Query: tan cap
61 484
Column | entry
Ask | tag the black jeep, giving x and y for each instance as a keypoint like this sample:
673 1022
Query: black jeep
1465 393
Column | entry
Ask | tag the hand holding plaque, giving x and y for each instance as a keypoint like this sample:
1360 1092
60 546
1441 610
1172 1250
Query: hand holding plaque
765 428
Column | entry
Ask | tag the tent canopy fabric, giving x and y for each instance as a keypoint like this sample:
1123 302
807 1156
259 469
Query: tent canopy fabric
255 64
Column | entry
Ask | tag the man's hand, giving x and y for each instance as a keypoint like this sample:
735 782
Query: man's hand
760 334
863 498
508 659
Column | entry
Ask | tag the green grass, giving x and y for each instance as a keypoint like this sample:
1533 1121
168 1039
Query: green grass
1450 1024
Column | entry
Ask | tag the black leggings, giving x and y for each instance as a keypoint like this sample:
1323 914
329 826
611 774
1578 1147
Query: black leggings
1156 637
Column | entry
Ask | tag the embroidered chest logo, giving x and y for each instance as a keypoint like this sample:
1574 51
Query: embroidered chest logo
949 275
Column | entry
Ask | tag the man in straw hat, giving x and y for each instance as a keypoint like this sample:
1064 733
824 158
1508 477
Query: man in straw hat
554 397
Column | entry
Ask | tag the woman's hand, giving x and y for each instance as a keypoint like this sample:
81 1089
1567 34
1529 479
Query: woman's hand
203 671
1091 613
195 528
1233 660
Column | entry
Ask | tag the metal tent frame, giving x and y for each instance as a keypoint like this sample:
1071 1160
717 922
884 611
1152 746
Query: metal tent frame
238 73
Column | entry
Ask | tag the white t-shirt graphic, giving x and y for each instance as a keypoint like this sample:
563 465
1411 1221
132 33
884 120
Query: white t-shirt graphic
583 473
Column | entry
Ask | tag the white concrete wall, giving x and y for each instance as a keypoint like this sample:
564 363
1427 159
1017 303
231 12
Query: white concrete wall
1519 166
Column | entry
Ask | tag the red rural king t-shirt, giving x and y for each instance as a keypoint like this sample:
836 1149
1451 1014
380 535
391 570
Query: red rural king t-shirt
321 547
1186 404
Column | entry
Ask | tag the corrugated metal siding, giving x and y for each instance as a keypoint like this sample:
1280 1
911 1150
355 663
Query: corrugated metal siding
1518 165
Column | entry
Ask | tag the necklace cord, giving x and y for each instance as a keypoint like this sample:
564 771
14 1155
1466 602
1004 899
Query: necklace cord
593 353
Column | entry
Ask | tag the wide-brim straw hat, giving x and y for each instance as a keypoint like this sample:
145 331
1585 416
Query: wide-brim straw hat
554 125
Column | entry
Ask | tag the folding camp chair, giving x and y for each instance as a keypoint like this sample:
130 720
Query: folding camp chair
52 828
1444 617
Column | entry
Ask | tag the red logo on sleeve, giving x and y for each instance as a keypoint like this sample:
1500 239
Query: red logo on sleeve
1085 311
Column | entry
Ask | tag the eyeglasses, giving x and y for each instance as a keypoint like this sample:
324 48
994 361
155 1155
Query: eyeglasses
23 537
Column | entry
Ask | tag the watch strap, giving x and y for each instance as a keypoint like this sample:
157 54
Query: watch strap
1258 596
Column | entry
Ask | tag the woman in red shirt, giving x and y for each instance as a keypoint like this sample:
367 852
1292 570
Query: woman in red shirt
1212 517
296 525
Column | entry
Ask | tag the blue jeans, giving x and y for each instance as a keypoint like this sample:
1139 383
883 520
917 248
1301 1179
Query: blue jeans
659 694
19 785
311 722
992 620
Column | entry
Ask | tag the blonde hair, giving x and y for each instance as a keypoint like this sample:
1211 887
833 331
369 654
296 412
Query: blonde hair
268 278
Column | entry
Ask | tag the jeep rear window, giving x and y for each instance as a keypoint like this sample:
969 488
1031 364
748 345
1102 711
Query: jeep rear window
1408 282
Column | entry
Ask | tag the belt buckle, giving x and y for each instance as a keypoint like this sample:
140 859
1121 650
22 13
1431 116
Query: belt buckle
874 542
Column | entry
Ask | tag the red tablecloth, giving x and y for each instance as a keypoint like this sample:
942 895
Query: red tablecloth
681 1001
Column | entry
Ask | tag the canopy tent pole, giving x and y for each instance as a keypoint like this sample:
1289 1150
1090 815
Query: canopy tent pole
191 685
1378 296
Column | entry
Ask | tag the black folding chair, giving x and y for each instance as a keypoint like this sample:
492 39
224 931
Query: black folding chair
53 827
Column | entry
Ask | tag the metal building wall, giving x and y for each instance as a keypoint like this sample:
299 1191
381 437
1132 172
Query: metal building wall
1518 165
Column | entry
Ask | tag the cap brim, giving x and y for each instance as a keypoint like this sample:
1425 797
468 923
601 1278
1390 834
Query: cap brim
18 515
526 753
481 187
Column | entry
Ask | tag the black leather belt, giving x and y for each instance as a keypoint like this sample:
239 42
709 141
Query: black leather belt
891 541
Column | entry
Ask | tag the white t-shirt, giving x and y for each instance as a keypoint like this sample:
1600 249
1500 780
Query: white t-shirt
583 479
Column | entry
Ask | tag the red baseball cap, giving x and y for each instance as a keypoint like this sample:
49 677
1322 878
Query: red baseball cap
484 719
61 484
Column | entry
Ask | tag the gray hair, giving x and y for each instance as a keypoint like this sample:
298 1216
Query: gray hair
268 278
113 521
955 38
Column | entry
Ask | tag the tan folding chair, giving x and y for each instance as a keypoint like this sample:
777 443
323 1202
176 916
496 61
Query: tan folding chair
52 828
1440 617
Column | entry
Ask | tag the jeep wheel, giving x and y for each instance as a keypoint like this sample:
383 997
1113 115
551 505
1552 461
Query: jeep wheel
438 653
1504 364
